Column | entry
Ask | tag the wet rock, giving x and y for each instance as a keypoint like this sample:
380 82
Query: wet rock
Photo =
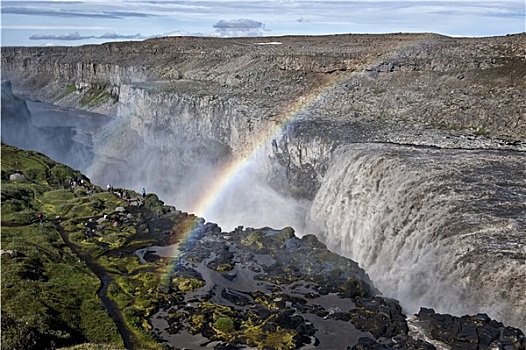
380 317
163 289
471 332
229 276
365 343
235 298
225 346
262 312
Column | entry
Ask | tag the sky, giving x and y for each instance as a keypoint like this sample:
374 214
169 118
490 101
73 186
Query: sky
71 23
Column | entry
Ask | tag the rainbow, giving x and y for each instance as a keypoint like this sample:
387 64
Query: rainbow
235 166
228 172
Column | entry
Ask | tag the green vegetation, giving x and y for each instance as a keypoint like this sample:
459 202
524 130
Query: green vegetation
48 294
186 284
482 131
52 270
224 324
250 329
96 95
49 288
68 90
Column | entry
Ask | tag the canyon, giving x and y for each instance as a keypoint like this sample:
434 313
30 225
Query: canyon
403 152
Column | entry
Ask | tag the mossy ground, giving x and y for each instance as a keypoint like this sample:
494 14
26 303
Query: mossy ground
97 95
49 288
230 326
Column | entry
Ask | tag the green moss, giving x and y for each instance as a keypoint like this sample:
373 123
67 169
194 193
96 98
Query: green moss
154 203
254 238
80 205
19 203
36 167
186 284
69 89
96 95
197 323
222 267
482 131
253 334
48 290
94 346
224 324
59 195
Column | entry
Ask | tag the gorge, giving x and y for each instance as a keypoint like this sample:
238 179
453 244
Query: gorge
402 152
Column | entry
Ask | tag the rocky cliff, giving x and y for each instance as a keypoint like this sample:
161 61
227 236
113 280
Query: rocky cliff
387 88
16 119
291 103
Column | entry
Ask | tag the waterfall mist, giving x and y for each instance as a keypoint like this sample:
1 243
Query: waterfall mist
64 134
176 167
433 228
180 169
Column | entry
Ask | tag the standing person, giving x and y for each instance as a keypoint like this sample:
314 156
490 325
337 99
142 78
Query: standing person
143 192
41 217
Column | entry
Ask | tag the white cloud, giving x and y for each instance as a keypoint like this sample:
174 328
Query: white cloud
99 19
53 27
239 28
113 35
69 36
76 36
238 24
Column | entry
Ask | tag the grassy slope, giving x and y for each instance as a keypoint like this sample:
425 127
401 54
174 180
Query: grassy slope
50 284
48 294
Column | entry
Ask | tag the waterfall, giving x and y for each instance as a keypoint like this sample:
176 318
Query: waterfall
434 228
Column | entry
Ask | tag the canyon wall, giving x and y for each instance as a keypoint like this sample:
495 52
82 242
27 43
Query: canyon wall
351 88
297 110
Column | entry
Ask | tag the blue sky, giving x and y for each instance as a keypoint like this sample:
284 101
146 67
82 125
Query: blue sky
57 22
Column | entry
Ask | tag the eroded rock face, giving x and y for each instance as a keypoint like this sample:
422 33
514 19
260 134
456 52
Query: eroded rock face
421 79
330 90
16 119
389 88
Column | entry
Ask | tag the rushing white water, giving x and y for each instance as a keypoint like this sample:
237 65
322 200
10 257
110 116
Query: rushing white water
433 228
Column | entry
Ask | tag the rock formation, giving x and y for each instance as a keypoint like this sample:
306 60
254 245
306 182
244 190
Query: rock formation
16 119
453 110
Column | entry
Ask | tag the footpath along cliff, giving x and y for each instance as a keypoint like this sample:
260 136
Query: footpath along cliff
408 148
